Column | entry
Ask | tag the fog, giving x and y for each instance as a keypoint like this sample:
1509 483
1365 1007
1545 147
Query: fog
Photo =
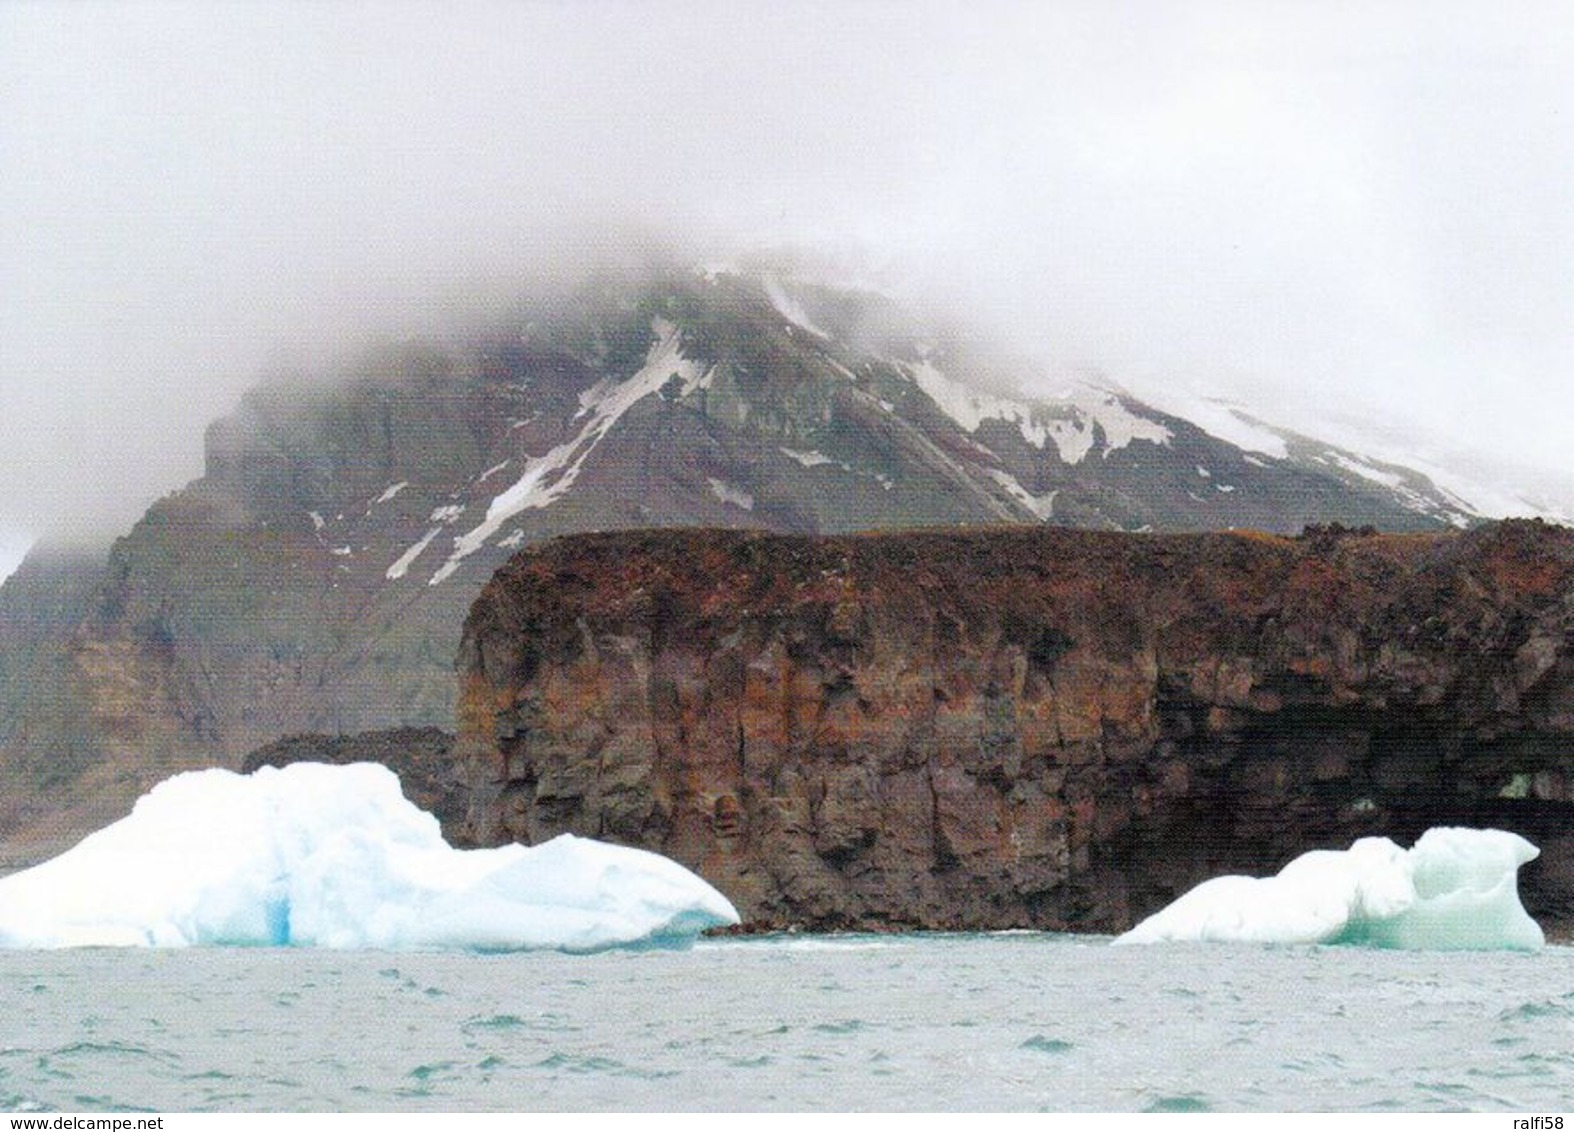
1335 210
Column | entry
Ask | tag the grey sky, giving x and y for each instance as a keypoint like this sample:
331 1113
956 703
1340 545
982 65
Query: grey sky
1359 209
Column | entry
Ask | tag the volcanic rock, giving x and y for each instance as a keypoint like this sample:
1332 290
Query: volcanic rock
1020 726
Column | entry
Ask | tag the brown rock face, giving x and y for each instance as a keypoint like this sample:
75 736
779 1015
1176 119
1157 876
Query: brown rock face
1020 727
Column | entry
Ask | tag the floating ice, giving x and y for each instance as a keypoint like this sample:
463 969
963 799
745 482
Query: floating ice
335 856
1455 890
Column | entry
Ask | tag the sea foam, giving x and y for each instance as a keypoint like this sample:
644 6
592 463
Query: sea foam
1455 890
335 856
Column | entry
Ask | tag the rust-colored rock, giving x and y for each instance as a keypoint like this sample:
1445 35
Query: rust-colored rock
1020 726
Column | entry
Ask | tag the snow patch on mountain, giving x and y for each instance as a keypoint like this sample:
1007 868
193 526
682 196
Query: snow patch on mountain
548 478
714 270
403 563
970 408
1222 420
789 308
1494 502
1408 486
1426 487
1068 419
391 491
810 459
1041 505
1366 471
1457 495
728 494
1419 484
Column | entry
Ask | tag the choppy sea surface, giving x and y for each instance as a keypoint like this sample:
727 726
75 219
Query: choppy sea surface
1009 1021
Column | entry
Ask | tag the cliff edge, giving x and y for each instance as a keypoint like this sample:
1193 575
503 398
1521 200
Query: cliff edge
1020 726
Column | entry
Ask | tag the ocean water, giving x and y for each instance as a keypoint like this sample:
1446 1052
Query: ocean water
1002 1021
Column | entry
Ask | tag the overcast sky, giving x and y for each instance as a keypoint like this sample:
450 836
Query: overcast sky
1364 209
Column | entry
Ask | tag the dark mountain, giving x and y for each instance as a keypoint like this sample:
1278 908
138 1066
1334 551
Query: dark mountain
316 577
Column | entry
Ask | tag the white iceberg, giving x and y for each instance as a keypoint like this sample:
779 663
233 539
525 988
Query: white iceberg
335 856
1455 890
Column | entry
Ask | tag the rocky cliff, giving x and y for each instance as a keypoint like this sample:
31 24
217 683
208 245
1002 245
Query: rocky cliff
1029 727
43 735
316 576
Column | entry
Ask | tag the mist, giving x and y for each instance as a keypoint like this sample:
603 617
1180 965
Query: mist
1333 210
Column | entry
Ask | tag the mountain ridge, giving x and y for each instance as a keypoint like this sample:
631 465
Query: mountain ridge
315 578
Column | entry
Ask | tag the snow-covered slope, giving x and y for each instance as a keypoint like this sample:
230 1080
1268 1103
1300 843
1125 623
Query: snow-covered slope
783 412
1456 495
796 419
